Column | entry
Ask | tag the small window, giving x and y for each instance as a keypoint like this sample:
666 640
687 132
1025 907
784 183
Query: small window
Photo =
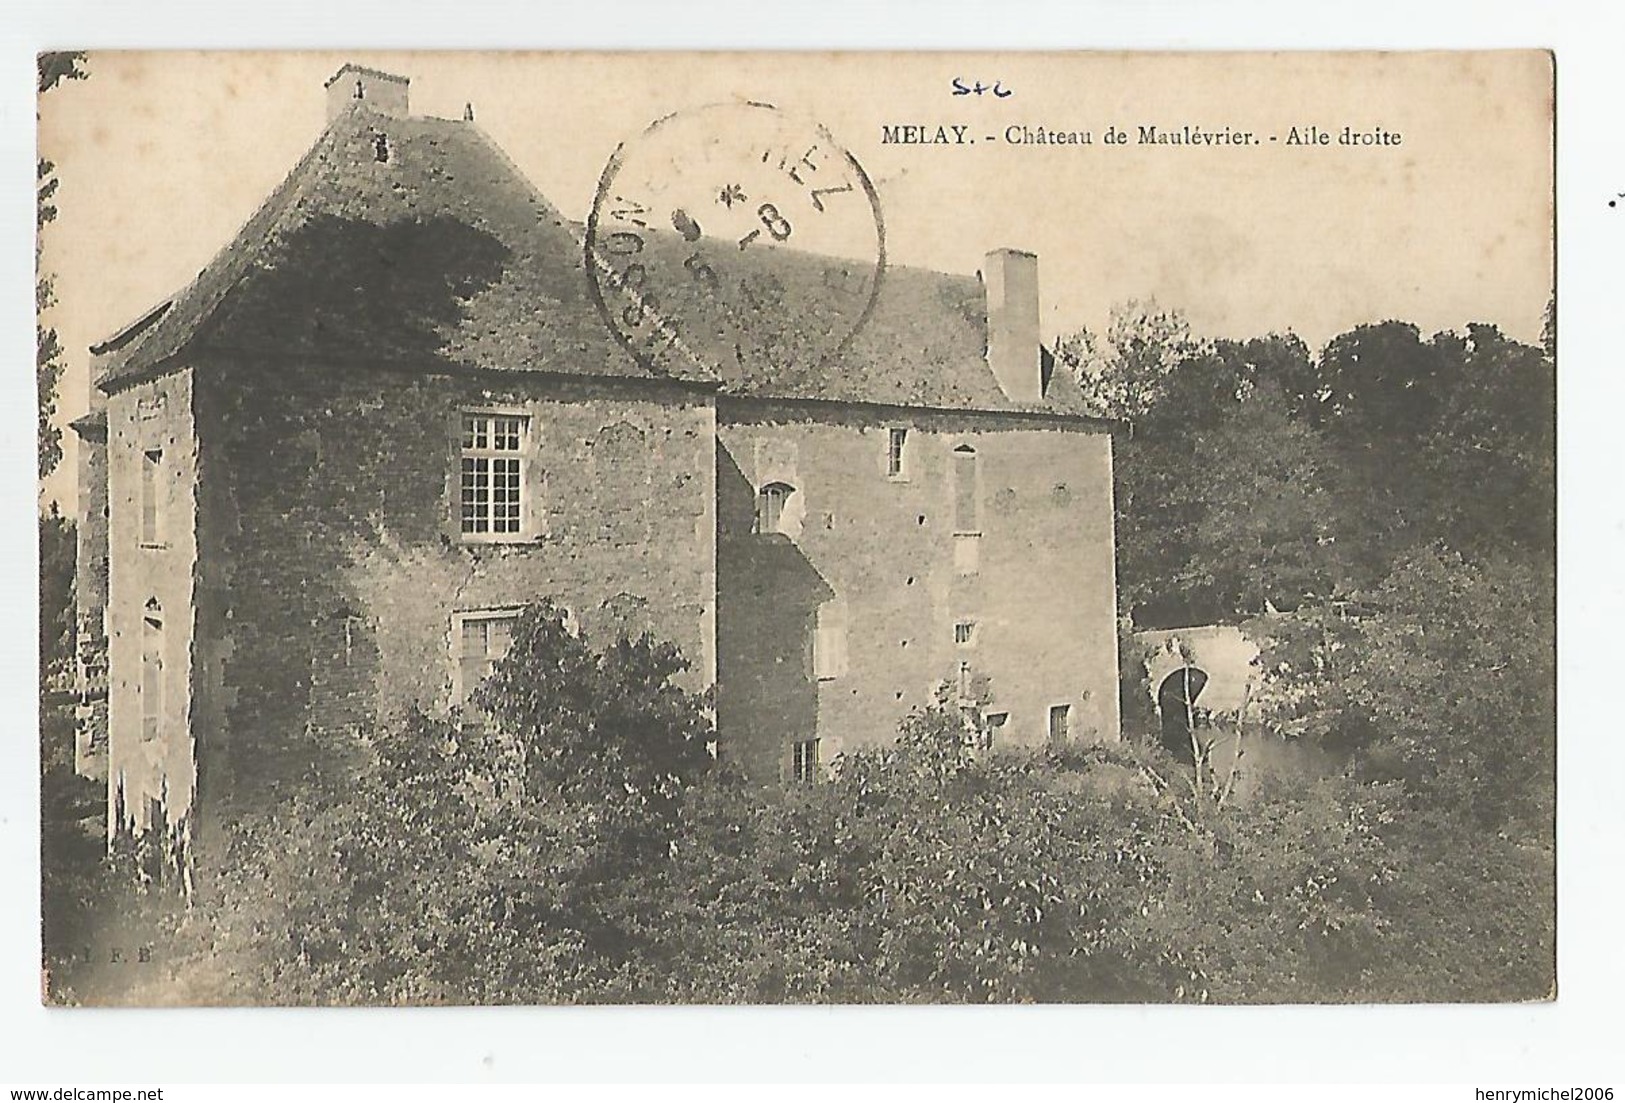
963 684
152 465
353 627
492 486
965 633
482 640
896 443
1059 717
772 503
804 761
993 729
152 672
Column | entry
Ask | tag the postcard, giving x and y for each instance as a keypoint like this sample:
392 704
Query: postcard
538 528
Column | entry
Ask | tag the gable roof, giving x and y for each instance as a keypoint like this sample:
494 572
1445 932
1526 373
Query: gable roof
416 242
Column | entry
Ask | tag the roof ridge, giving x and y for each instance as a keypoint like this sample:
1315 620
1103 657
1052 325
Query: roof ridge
352 67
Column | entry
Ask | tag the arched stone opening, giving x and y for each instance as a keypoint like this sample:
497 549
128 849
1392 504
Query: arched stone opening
1177 707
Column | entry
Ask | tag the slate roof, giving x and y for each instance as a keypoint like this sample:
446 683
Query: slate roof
416 242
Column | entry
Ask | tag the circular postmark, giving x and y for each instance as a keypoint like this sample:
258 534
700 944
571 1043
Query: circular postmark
735 237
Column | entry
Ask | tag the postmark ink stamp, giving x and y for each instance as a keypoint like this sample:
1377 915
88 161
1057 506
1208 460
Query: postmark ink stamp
734 235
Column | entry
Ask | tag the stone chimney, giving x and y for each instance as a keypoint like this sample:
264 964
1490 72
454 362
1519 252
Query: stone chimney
357 86
1010 278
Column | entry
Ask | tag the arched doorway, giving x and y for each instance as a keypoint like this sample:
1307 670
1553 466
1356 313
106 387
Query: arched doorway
1176 703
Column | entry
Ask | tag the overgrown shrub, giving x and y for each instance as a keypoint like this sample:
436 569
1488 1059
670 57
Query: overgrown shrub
621 864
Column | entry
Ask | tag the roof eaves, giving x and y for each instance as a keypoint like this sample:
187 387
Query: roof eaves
126 377
1037 413
444 367
122 337
91 425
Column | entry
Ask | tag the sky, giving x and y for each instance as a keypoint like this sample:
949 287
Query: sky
163 156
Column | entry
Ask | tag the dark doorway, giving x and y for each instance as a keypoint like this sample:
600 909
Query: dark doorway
1176 702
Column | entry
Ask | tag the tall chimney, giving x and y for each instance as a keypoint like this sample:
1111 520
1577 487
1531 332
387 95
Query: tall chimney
1010 277
356 86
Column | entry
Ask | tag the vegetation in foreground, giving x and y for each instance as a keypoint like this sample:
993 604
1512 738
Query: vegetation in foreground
582 845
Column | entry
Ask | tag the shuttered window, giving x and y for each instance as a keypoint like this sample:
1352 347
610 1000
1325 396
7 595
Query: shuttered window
896 443
829 640
771 502
804 761
483 639
964 478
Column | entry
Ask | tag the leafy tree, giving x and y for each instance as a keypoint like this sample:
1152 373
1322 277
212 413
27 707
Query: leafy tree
1442 678
1144 344
1379 385
1490 458
506 856
1203 387
58 550
1267 529
1220 453
54 68
608 728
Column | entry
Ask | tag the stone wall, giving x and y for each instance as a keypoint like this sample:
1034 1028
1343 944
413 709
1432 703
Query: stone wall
1221 651
152 453
335 565
877 553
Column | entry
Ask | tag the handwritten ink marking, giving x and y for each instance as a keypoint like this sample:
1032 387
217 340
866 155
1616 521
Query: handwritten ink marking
997 88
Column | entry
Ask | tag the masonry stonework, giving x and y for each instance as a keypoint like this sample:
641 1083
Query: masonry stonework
1037 607
152 478
336 566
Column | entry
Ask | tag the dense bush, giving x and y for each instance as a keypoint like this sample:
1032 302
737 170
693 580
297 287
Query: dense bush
1443 677
468 866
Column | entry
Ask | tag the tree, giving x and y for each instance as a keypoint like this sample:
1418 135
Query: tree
1442 678
54 68
517 853
58 550
1267 530
1379 385
1144 344
1490 455
607 728
1181 480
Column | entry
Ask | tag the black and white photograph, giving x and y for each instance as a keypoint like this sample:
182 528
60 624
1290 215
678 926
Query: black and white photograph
770 528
